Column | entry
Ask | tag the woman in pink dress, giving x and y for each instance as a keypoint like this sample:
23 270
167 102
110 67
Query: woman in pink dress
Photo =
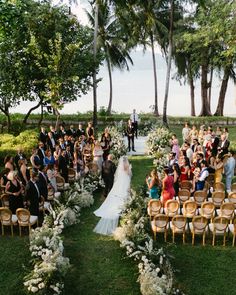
168 191
175 145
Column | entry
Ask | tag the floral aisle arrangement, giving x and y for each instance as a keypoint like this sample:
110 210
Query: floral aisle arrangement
46 244
158 143
155 272
118 147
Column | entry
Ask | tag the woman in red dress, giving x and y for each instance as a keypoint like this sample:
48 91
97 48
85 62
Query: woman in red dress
185 169
168 191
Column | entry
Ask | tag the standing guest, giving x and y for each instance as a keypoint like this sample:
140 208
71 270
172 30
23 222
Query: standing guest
172 160
211 162
49 158
106 143
19 156
226 132
69 156
223 145
23 172
208 146
200 180
51 176
175 145
134 120
43 183
229 167
80 131
189 152
97 155
90 131
201 134
185 169
219 166
195 145
62 143
41 153
186 132
176 175
62 165
32 194
35 160
87 153
218 131
78 161
168 191
4 179
14 190
9 163
182 155
54 132
214 145
43 137
68 142
57 154
108 172
154 185
62 131
130 134
193 133
71 131
51 142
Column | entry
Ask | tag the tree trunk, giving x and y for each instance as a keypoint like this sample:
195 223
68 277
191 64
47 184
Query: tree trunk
30 111
223 89
204 91
165 123
94 73
110 83
41 117
6 112
192 95
210 87
155 76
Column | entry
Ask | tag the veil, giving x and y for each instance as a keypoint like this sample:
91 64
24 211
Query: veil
122 168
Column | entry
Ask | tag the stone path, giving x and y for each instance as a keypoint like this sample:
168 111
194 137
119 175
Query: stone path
139 145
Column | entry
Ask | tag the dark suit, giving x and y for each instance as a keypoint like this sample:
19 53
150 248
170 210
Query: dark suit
130 134
108 171
80 132
43 185
33 196
43 137
223 149
62 167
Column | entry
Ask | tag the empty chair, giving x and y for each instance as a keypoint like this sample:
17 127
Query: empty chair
7 219
199 197
178 225
186 184
217 198
198 227
61 185
232 229
226 210
219 226
25 219
171 208
154 208
232 198
159 225
71 175
5 200
219 187
189 209
207 210
183 196
233 187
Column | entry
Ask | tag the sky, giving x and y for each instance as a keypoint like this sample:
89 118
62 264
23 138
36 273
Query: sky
135 88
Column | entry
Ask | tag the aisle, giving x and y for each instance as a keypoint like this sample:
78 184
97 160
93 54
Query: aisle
139 145
98 263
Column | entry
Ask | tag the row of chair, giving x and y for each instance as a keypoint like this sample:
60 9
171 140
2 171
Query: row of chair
22 218
217 186
198 226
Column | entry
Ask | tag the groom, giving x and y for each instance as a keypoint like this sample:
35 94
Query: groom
108 172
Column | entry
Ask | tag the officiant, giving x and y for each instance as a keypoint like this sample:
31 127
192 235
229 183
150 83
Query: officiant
134 120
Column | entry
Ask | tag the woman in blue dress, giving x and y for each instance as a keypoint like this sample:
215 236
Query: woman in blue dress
154 185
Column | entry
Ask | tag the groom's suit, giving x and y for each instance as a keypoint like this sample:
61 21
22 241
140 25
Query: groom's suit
108 171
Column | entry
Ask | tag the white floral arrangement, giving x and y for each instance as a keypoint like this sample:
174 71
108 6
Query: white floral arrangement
158 139
118 147
155 272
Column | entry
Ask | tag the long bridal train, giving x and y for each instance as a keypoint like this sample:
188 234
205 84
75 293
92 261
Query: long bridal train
111 208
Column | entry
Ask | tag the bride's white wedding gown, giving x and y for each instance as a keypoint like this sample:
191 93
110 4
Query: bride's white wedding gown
111 208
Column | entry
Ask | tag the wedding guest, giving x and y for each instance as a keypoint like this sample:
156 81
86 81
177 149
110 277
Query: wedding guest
80 131
154 185
226 132
62 144
168 191
208 146
172 160
54 132
229 167
41 153
223 145
219 166
201 134
218 131
62 131
23 172
186 132
62 165
3 178
130 134
176 175
43 183
19 156
200 181
90 131
189 152
211 162
51 142
49 158
51 175
185 169
87 153
69 156
78 162
71 131
43 137
175 145
97 155
108 172
14 190
57 154
34 159
134 120
182 155
195 145
9 163
32 194
106 143
193 133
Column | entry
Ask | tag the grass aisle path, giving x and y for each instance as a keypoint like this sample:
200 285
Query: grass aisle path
98 263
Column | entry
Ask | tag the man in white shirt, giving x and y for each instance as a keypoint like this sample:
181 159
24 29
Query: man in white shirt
202 177
135 119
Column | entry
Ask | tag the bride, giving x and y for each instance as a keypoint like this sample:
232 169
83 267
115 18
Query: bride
114 203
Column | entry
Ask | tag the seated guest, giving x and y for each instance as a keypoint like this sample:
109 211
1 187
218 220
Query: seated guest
32 194
168 191
154 185
200 181
14 190
9 163
23 172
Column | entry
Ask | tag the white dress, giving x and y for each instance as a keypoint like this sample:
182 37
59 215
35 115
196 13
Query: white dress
111 208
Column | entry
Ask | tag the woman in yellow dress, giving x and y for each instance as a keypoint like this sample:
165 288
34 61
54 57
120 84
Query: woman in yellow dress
219 166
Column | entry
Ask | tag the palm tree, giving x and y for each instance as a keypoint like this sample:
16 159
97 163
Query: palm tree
111 40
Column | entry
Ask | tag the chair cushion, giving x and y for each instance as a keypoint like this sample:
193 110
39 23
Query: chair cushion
231 228
177 230
33 219
196 231
14 218
218 232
